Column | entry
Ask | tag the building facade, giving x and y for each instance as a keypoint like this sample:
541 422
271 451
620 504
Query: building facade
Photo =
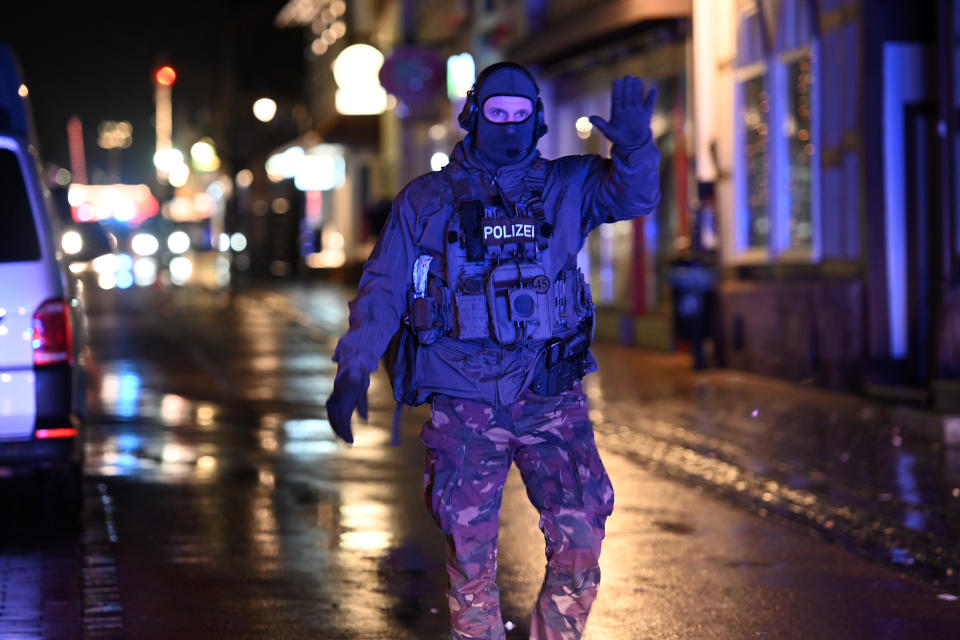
825 132
828 128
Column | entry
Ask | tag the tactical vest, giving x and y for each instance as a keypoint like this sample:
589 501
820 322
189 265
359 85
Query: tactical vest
492 281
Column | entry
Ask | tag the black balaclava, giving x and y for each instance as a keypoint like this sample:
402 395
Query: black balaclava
505 143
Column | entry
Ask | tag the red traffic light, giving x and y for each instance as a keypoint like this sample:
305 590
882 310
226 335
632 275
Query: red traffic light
166 76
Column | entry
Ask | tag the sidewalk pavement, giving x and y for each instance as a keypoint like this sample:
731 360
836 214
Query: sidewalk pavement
871 477
846 467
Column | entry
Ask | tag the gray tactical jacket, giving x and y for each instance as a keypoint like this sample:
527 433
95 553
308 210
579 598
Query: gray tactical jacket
580 194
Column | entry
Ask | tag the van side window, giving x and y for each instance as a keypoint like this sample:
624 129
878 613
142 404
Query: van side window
18 235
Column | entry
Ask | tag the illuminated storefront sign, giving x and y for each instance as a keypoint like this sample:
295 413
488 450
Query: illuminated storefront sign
283 165
320 171
322 168
461 72
130 203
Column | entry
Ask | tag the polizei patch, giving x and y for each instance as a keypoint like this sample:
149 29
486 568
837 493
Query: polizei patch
505 230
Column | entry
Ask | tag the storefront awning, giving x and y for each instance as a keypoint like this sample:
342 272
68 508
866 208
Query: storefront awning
573 31
351 131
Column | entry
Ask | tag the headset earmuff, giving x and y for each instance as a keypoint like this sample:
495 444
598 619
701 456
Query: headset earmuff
540 129
468 115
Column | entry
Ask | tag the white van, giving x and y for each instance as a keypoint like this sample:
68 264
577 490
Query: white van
42 322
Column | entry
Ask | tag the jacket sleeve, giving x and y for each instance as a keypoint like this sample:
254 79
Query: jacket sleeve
377 309
624 186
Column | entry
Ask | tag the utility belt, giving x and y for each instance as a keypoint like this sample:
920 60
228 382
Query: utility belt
511 304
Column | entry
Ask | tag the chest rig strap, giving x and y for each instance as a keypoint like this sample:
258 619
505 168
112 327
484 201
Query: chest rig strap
536 180
471 214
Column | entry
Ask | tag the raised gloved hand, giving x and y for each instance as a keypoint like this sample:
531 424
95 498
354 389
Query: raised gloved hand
349 393
630 112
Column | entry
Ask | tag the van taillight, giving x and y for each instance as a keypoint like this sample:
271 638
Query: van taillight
52 333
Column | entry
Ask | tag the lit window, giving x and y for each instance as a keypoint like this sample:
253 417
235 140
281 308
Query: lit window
800 151
756 159
753 135
777 172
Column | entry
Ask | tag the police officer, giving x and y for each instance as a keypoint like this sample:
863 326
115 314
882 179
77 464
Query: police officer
478 261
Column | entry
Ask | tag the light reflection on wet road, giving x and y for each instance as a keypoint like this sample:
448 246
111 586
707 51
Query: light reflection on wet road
239 516
233 494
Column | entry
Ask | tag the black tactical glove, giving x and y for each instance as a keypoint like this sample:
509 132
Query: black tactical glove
349 393
629 124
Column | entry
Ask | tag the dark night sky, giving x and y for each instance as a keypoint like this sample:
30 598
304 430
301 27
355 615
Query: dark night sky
96 60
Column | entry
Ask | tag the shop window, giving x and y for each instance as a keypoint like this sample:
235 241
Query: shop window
777 172
756 159
753 134
798 134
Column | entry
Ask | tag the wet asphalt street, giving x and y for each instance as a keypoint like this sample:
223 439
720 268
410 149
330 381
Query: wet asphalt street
219 505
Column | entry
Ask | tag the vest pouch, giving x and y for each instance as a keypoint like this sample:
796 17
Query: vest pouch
472 318
573 303
581 298
518 297
424 320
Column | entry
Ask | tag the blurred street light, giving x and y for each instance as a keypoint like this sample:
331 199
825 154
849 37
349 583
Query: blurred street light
114 136
179 175
584 127
166 159
264 109
244 178
164 77
356 72
439 160
238 242
204 155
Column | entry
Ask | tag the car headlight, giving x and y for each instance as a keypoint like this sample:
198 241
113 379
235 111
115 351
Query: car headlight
72 243
107 263
144 244
178 242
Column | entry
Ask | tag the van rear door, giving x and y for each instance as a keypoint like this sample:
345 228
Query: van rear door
24 284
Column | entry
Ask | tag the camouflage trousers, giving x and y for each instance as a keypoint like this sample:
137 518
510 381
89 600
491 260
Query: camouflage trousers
470 448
